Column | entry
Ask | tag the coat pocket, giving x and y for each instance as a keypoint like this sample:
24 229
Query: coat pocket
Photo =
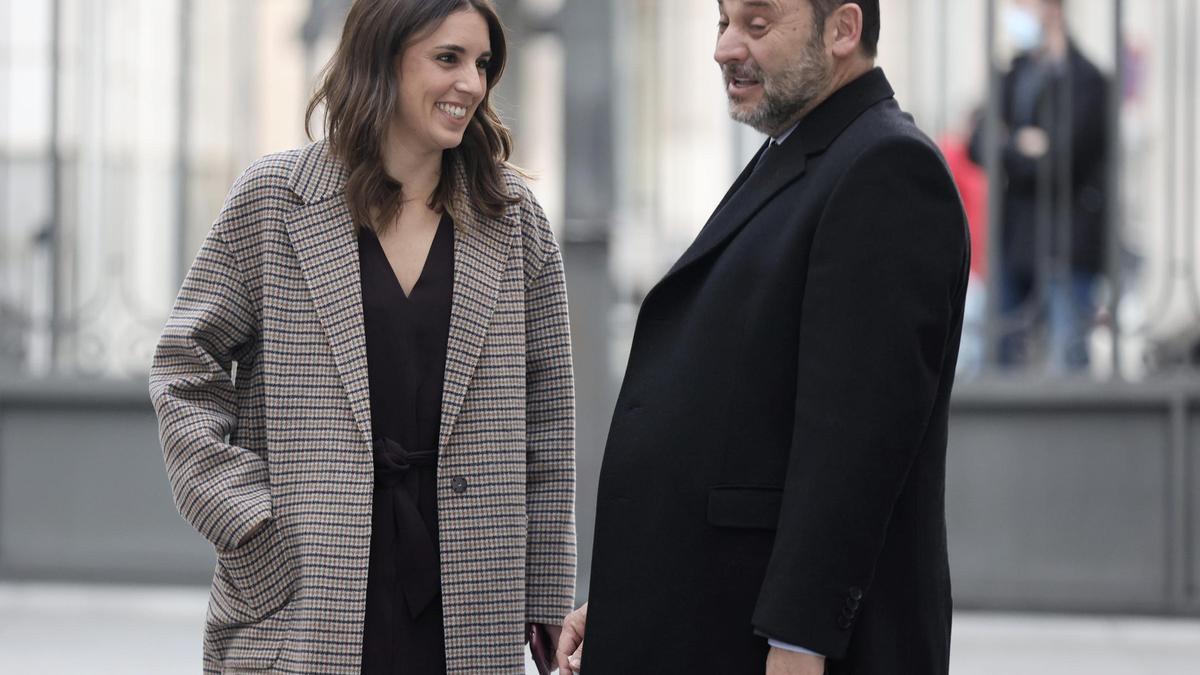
252 648
252 581
754 507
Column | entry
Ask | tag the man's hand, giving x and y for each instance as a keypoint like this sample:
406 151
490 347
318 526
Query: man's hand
783 662
570 642
1033 142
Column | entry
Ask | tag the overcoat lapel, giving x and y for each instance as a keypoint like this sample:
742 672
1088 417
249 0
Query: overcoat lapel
323 236
481 250
755 187
785 164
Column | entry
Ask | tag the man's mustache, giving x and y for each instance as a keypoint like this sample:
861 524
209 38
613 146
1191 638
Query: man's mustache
741 72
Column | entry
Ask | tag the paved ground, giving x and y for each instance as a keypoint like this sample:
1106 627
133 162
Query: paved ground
109 630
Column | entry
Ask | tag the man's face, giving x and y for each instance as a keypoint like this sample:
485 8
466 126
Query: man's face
773 59
1045 11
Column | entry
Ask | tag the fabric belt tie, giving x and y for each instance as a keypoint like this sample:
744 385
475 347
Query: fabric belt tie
416 556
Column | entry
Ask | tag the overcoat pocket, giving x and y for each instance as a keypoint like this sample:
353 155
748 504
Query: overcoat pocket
252 648
252 581
745 506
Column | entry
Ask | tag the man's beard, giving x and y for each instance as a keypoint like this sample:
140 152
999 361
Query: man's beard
785 94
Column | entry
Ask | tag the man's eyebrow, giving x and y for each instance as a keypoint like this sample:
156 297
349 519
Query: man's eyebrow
757 4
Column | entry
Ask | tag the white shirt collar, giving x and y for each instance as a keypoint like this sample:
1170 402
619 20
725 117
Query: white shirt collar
783 137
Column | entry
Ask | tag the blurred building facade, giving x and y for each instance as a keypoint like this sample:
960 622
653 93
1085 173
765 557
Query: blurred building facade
123 123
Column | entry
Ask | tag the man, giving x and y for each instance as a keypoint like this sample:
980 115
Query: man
771 498
1054 144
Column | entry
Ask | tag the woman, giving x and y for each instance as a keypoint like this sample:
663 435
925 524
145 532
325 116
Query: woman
364 390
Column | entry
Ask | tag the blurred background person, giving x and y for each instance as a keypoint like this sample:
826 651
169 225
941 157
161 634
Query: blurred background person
1053 148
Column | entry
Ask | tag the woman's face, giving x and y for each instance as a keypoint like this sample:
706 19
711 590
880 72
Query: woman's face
442 78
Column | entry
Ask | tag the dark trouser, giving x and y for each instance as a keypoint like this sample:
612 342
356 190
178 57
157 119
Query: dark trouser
1060 319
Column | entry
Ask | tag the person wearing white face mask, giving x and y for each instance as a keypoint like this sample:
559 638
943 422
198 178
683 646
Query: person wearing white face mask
1023 27
1053 150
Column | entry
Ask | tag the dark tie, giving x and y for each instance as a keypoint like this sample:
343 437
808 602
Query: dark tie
763 157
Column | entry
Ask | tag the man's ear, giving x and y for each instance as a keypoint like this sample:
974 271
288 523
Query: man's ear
843 30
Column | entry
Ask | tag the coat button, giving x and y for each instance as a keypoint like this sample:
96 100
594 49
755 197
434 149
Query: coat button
458 484
844 622
851 604
855 593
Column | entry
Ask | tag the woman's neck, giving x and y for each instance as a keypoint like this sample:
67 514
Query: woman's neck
418 172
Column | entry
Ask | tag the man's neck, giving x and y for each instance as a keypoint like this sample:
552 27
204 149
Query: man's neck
1055 46
852 71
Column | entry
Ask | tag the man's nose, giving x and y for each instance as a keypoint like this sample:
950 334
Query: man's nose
731 47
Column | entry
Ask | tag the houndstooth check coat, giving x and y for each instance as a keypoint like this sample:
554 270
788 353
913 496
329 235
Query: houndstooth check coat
271 460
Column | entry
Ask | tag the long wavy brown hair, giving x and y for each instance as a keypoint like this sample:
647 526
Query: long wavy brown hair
358 89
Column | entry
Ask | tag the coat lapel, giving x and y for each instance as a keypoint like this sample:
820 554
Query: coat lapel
323 237
481 250
781 167
744 176
785 164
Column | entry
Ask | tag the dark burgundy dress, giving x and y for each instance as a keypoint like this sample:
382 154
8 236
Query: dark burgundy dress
406 359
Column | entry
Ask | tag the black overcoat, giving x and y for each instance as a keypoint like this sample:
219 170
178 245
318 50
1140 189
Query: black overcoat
776 460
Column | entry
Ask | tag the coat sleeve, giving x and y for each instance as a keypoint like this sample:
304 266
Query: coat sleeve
550 430
882 296
220 488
